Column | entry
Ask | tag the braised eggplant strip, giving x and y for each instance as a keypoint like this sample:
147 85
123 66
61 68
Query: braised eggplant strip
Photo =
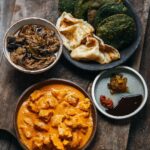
33 47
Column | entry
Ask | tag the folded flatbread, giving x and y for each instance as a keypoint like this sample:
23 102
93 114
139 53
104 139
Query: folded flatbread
73 30
95 50
78 37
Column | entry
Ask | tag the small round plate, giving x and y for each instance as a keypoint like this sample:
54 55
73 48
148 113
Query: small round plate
136 86
125 53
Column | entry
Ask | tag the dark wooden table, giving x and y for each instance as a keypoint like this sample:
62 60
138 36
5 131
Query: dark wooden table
133 134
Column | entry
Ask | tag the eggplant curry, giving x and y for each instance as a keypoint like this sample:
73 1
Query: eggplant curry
33 47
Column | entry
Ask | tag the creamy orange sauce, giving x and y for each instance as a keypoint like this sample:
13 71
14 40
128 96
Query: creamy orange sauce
56 117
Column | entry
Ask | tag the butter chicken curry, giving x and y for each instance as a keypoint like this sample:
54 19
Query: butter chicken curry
56 117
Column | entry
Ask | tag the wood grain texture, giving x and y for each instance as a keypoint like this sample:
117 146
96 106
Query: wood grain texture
111 135
139 133
6 12
13 83
1 7
142 8
5 18
119 130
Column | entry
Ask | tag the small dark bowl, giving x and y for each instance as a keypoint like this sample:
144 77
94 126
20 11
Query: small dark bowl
29 90
125 53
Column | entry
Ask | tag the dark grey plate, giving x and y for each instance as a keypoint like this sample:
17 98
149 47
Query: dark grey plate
125 53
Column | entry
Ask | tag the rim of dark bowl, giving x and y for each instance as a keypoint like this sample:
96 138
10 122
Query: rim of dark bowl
39 85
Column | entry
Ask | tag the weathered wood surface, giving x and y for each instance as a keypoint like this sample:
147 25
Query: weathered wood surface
5 18
111 135
142 7
13 83
139 138
119 130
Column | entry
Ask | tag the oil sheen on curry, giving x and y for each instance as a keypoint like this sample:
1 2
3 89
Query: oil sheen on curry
55 117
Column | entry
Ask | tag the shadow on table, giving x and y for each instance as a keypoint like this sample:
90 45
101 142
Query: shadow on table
8 141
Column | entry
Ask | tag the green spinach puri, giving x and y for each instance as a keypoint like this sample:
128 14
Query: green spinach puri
109 10
80 8
67 5
117 30
83 7
77 8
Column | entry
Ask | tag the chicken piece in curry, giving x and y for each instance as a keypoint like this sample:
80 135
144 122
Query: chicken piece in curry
55 117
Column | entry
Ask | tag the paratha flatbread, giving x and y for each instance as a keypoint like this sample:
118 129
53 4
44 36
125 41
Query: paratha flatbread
95 50
78 37
73 30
